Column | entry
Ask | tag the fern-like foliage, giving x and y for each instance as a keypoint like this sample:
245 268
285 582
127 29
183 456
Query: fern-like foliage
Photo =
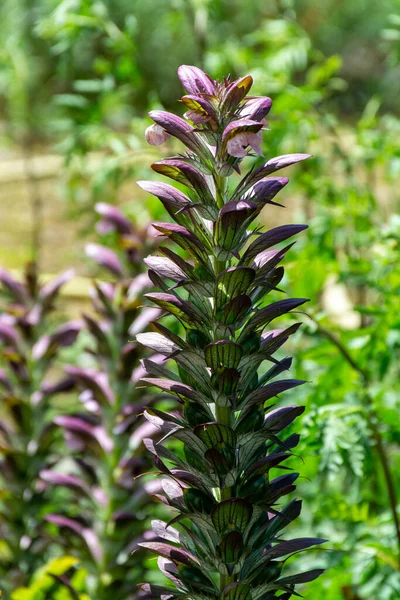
229 538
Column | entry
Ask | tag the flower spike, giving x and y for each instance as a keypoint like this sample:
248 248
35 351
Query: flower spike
225 540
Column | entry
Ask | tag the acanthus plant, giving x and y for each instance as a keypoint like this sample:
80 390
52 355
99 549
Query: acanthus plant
229 541
29 378
105 513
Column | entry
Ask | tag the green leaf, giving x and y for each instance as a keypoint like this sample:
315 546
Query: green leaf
225 381
236 311
221 462
231 223
24 594
185 311
262 317
233 282
216 435
231 548
305 577
223 354
237 591
232 515
196 368
59 566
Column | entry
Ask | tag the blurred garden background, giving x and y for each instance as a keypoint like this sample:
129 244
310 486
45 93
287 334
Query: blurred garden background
77 79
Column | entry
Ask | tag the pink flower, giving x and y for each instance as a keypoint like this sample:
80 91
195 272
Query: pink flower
237 146
156 135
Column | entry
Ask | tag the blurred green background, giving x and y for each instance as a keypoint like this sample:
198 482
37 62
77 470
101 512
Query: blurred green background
77 78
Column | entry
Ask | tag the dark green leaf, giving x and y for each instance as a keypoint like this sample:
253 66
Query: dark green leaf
223 354
233 282
232 515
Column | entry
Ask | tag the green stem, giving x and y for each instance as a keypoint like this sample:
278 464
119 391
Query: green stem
111 460
225 581
220 189
223 414
219 266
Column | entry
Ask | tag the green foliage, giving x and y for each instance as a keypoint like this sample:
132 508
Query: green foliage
49 582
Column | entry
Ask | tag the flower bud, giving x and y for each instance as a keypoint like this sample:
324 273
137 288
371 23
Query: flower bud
156 135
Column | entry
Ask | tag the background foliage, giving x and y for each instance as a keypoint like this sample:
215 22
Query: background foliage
78 77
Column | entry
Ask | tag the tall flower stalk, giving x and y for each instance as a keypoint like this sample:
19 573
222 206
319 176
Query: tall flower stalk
104 514
229 539
30 343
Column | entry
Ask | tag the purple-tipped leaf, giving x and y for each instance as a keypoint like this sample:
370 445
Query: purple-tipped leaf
181 235
64 336
184 173
271 166
200 109
82 428
256 109
86 533
232 220
157 342
112 219
265 315
267 392
14 287
172 553
173 387
105 258
165 532
70 481
178 128
235 92
262 192
279 418
50 290
177 307
195 81
172 199
305 577
290 546
96 381
165 268
8 335
270 238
